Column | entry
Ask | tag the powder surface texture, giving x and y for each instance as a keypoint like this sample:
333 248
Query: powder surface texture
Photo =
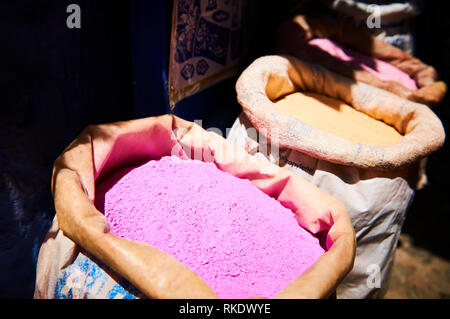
242 242
338 118
383 70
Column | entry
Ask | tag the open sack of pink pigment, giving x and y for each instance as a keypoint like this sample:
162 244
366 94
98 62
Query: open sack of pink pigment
353 52
187 214
358 143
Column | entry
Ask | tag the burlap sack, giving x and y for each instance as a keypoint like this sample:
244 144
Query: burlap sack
293 36
376 183
80 258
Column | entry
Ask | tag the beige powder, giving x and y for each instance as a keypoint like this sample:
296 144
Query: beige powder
336 117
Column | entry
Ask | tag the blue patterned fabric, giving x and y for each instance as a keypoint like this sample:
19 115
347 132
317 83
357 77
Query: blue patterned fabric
85 279
205 45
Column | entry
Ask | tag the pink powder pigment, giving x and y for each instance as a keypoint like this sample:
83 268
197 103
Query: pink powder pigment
383 70
242 242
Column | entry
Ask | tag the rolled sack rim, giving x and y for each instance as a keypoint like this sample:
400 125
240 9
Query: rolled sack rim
271 77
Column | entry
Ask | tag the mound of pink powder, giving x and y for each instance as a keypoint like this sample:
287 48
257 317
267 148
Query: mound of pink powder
242 242
382 70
